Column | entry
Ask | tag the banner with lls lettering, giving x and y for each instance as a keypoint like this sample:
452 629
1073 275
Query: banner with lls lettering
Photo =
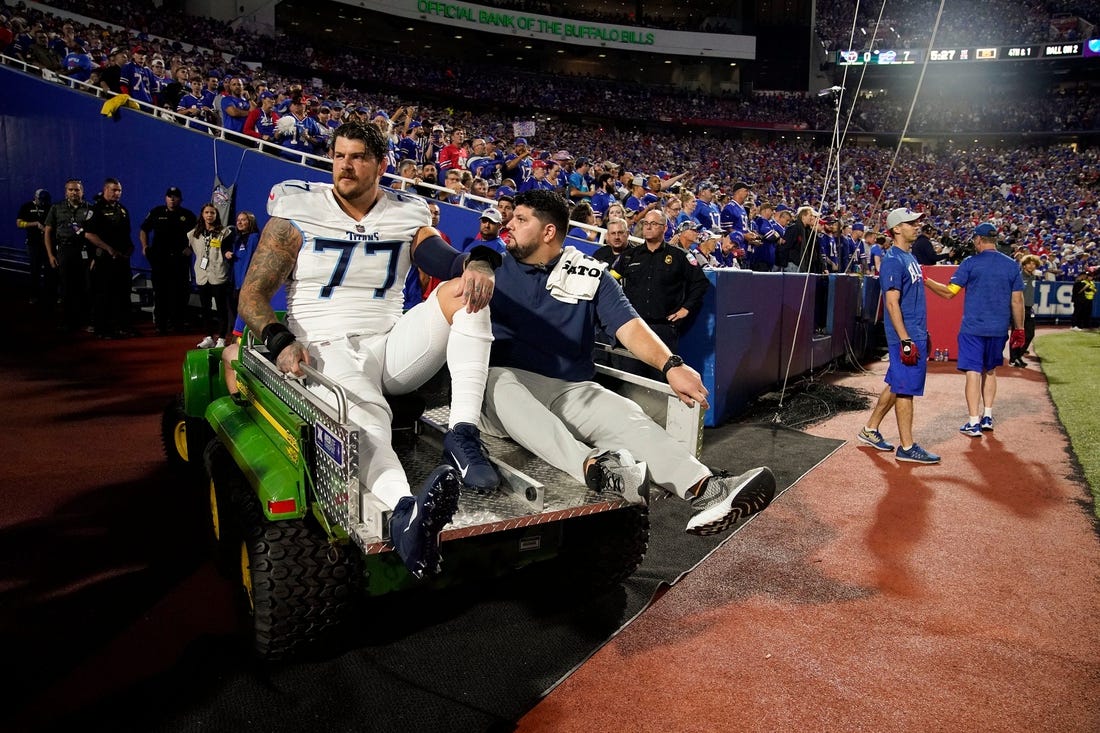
1053 300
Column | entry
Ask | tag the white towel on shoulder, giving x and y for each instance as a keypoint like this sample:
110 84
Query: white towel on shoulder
576 277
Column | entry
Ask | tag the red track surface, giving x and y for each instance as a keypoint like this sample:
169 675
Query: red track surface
880 596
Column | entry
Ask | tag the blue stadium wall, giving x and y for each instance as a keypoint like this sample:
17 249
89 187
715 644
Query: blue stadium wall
755 328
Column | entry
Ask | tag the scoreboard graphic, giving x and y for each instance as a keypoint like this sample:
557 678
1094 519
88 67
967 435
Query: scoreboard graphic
973 54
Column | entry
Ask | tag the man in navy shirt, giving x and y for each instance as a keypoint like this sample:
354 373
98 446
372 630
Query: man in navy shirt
994 299
547 304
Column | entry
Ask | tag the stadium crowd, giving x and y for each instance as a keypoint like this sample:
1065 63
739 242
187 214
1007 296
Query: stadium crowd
1066 108
1044 199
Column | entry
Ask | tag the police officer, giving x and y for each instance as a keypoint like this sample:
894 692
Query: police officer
67 251
163 237
32 218
108 231
659 280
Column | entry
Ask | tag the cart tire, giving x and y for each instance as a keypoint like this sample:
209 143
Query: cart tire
228 491
299 589
173 433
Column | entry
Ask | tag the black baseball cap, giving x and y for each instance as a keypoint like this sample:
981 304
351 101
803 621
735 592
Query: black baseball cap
173 191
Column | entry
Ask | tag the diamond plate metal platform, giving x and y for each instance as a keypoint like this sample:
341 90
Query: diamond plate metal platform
532 492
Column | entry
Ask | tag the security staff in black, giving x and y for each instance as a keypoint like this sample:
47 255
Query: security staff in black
659 280
163 237
32 219
67 251
108 231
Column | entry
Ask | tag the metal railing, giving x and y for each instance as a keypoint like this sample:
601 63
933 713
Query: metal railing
271 148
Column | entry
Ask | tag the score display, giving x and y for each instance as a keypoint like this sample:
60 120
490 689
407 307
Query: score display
891 57
882 57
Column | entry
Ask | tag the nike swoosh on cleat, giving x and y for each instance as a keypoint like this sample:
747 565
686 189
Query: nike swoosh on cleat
415 512
463 469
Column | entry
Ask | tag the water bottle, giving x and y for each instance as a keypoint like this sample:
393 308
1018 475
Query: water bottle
946 355
937 355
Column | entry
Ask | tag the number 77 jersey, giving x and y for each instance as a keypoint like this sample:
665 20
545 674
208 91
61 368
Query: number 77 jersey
350 274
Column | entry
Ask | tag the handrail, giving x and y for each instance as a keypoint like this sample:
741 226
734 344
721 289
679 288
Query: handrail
336 389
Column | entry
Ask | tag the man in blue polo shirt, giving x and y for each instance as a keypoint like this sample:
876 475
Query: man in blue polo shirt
906 331
547 304
994 299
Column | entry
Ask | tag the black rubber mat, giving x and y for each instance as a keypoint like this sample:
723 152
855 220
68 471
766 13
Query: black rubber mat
467 659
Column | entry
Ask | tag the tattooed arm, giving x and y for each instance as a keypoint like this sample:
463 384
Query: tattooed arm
271 265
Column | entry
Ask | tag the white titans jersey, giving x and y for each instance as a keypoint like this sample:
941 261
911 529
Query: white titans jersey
350 274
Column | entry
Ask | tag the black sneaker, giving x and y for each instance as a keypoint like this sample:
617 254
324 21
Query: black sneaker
463 449
729 498
616 472
417 521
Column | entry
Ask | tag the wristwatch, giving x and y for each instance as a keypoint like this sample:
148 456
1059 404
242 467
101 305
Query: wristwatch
673 362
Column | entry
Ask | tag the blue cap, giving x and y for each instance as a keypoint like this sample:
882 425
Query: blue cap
707 185
784 207
414 124
985 230
267 95
382 113
505 191
521 141
857 227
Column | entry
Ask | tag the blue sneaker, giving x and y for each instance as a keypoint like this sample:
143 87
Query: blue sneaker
916 454
463 449
974 431
874 439
417 521
986 423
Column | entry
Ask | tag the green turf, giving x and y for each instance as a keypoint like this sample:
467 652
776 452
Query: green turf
1071 362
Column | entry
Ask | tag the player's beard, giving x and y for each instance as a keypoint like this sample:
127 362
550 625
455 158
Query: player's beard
520 252
354 189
